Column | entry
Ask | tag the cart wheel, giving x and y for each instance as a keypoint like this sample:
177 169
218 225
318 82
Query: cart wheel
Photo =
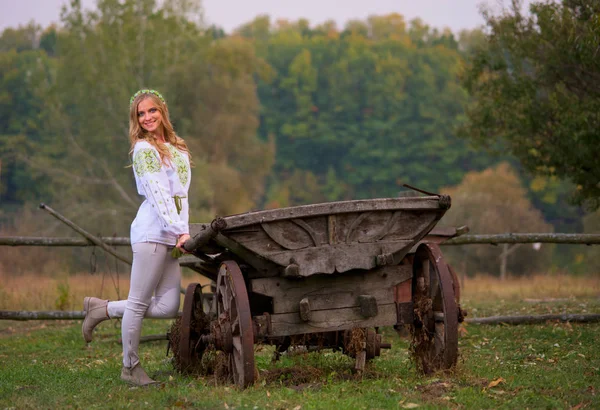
234 323
435 330
455 284
193 323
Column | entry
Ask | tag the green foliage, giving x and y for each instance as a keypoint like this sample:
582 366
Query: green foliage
22 76
535 89
68 117
20 39
375 104
62 301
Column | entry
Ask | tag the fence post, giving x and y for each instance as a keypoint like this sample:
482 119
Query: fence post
503 257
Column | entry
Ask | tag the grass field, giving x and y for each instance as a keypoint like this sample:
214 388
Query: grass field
556 365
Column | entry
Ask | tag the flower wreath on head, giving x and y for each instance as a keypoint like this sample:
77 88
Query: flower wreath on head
154 92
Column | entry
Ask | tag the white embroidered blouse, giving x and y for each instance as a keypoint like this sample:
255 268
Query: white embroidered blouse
158 218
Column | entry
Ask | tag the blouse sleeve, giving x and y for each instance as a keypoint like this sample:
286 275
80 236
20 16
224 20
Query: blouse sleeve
156 188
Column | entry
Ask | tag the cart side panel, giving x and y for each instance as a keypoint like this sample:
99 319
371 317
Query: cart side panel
333 302
337 242
288 324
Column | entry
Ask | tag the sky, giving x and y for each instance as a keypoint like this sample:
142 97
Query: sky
229 14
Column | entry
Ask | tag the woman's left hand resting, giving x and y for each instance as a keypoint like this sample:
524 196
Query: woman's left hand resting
181 241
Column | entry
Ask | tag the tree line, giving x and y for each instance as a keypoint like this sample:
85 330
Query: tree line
276 113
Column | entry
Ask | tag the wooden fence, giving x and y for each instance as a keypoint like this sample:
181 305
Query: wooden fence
505 239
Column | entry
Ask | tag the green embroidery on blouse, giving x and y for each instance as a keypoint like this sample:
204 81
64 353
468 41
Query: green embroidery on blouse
145 161
180 165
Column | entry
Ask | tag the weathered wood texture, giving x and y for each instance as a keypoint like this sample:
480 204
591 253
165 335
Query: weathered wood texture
41 315
97 241
327 238
336 243
332 208
44 315
533 319
58 241
326 292
149 338
566 238
287 324
573 238
385 317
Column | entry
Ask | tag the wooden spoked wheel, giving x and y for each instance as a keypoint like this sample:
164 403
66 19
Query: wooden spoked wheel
193 321
234 323
435 330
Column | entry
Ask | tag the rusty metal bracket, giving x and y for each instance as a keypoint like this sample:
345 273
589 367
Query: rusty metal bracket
405 313
368 305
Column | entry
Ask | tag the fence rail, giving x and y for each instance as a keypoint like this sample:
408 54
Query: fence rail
508 238
59 241
564 238
492 320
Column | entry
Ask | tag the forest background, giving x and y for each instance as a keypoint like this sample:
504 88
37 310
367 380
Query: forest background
276 113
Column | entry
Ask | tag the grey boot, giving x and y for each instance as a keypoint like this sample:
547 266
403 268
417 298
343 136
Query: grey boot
95 312
136 376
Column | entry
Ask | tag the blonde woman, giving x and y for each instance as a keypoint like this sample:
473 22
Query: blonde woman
161 165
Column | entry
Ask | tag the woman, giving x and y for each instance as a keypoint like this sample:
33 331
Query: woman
161 165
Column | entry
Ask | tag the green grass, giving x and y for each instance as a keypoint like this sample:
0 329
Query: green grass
540 366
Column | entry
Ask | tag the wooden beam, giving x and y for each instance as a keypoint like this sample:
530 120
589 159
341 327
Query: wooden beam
327 292
573 238
58 241
97 241
288 324
567 238
330 208
44 315
533 319
41 315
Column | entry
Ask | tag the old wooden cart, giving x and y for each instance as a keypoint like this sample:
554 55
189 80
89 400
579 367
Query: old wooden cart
324 275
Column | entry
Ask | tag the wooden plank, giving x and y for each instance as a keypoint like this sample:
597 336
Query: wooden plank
381 204
41 315
340 257
263 267
289 235
326 292
60 241
334 299
288 324
581 239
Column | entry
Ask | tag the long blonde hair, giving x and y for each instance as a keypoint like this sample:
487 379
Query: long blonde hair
137 133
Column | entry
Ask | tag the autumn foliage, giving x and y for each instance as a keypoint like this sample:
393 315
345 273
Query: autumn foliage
494 201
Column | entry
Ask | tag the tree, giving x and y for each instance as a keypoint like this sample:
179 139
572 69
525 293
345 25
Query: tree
370 108
536 91
22 38
23 71
209 87
494 201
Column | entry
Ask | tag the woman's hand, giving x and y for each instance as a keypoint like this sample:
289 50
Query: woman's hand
181 241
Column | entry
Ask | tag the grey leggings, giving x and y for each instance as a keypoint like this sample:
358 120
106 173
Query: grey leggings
154 271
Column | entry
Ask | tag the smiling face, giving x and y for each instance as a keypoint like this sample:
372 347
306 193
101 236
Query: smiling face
150 117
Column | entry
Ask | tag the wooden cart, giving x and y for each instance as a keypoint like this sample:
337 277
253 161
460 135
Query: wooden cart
324 275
